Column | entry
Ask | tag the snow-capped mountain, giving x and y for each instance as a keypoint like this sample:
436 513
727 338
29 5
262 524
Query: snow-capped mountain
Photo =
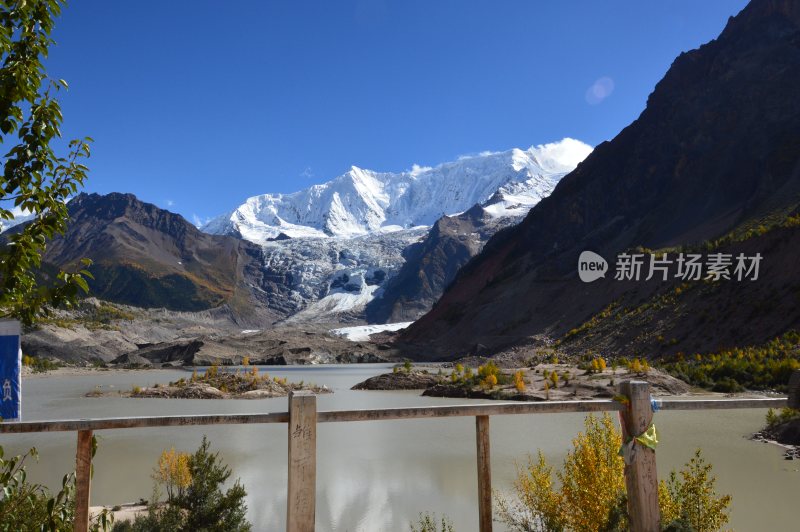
19 217
364 201
333 247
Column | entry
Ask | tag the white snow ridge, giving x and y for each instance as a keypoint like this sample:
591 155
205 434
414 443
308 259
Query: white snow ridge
364 201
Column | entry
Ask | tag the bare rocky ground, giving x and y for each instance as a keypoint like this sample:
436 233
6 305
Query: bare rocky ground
785 434
100 332
417 379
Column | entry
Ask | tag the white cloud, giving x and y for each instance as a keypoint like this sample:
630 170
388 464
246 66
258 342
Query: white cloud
307 173
417 169
199 222
599 90
561 156
170 203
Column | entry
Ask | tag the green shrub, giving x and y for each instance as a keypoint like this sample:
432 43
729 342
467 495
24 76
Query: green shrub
202 505
759 367
39 365
786 414
28 507
428 523
727 385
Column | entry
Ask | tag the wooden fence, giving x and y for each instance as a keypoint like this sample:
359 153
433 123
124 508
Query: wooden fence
302 419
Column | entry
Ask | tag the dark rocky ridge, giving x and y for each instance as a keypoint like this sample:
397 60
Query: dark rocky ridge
717 147
432 264
148 257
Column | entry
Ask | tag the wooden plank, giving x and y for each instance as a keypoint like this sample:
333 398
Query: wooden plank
484 474
301 496
83 480
380 414
641 479
471 410
141 422
720 404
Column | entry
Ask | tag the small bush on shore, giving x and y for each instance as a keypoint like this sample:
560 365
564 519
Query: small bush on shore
39 365
429 523
200 504
782 416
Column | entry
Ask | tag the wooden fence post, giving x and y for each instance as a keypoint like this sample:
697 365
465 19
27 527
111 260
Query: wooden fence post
83 480
794 390
301 496
641 479
484 474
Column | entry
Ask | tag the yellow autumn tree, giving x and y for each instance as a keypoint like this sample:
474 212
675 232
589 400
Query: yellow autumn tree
591 497
173 473
689 496
593 479
519 381
592 484
468 374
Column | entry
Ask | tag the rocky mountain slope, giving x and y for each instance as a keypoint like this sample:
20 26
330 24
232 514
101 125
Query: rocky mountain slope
712 163
148 257
433 263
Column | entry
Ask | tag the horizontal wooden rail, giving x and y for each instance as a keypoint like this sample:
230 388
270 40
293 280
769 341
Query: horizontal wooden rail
490 409
721 404
381 414
140 422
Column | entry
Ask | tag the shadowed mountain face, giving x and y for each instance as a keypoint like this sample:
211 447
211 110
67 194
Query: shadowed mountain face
716 149
433 263
148 257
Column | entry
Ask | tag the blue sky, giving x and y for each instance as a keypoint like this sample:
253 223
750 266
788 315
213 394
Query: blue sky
196 105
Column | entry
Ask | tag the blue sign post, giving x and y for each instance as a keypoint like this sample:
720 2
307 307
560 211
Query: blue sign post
10 371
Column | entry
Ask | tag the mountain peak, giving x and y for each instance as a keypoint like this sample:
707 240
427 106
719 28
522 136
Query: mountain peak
363 201
788 9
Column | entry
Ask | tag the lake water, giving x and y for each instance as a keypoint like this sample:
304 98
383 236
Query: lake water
378 476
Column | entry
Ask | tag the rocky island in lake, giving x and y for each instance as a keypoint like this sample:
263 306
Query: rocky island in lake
243 383
541 382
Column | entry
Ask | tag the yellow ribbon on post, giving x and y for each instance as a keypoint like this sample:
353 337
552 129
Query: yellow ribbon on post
648 438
